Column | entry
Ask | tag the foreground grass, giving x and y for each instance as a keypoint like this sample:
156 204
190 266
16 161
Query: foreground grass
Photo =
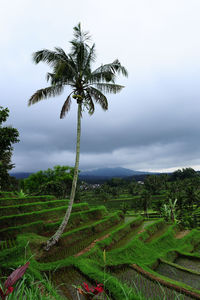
29 288
127 243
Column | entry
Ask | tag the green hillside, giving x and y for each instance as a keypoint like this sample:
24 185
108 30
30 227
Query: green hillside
133 257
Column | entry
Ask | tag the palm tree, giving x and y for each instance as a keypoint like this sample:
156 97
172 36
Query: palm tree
145 200
74 70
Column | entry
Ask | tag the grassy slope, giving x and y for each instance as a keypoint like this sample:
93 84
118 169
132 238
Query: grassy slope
141 249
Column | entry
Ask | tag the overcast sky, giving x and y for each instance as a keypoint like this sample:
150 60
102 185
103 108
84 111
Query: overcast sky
153 124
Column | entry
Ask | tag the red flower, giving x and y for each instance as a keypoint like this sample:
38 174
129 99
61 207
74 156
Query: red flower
93 290
9 291
98 289
86 287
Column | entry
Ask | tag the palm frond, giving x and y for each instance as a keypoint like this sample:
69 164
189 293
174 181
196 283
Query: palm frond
62 53
49 76
45 93
112 69
64 69
109 88
80 48
90 58
60 79
80 54
63 73
100 75
73 63
79 35
89 104
48 56
59 60
98 96
116 65
66 107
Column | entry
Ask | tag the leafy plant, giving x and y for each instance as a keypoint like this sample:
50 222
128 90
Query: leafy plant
168 211
125 207
21 194
8 136
12 279
56 181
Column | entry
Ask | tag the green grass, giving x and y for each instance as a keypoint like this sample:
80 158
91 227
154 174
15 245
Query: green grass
130 242
29 207
76 240
29 199
46 214
30 288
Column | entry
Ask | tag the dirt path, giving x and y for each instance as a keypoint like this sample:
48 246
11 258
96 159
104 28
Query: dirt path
181 234
91 245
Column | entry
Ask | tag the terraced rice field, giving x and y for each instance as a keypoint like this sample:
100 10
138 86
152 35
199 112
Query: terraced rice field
129 218
151 289
157 234
128 238
74 278
189 263
97 246
66 250
190 279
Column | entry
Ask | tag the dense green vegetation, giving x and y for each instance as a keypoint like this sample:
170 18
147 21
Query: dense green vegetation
171 196
56 181
140 244
8 136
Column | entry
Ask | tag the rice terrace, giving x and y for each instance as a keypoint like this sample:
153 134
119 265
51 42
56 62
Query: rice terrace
134 254
106 233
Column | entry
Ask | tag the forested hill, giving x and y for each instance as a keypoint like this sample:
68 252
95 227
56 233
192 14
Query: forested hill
112 172
101 175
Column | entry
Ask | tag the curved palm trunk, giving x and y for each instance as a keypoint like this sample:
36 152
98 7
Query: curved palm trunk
54 239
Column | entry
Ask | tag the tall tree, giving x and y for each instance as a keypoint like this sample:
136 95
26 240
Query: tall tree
8 136
184 173
74 70
153 184
145 201
56 181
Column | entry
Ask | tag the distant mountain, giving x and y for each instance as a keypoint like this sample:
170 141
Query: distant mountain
112 172
96 174
20 175
102 175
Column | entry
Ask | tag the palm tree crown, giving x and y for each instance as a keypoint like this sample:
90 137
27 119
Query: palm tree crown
74 70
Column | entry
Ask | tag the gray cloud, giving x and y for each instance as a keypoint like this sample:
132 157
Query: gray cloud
153 124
